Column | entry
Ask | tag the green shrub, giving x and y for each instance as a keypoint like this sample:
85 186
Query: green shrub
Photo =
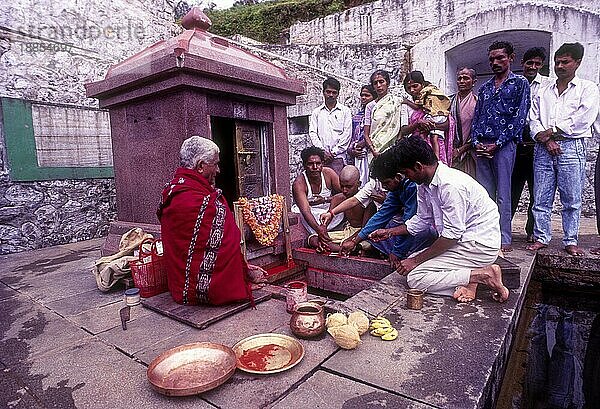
268 21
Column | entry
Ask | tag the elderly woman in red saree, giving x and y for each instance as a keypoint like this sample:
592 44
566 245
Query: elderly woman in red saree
201 240
430 117
382 116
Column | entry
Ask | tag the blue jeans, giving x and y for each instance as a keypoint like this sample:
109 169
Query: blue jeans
404 246
567 173
495 176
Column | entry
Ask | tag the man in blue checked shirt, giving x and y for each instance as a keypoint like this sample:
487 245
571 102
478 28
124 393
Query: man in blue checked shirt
500 115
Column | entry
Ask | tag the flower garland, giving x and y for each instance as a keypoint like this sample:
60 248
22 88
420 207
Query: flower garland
263 214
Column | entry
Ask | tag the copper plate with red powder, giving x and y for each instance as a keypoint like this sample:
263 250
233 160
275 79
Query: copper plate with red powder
268 353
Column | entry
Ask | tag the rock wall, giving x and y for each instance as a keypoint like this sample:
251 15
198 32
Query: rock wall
40 214
404 21
48 50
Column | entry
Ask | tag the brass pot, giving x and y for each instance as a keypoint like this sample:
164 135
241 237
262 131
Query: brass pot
307 320
414 299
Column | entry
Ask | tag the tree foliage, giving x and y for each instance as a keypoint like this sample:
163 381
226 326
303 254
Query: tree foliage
268 21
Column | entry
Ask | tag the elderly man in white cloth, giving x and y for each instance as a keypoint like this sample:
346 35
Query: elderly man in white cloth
466 219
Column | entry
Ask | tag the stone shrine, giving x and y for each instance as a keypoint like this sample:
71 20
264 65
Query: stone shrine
194 84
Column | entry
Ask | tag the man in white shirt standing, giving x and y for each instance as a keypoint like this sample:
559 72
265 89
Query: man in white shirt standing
561 117
330 126
466 219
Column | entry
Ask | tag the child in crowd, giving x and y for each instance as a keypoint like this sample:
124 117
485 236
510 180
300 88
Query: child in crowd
432 113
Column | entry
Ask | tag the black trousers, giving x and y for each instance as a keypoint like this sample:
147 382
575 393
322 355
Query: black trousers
523 172
597 191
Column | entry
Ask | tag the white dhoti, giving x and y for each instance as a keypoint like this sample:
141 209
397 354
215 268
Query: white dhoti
442 274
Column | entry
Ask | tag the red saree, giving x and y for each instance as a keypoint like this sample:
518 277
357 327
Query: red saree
201 243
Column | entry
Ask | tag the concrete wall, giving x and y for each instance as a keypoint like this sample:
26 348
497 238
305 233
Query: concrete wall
48 50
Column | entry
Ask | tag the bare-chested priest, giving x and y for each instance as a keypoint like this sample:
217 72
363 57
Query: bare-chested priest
313 190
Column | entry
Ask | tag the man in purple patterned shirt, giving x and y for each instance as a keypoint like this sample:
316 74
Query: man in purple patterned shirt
500 115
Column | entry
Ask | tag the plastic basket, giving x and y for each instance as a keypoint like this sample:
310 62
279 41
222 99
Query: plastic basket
148 272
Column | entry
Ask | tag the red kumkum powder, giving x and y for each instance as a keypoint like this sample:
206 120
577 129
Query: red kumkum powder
258 358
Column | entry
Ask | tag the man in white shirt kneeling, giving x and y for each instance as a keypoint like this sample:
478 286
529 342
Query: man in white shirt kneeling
466 219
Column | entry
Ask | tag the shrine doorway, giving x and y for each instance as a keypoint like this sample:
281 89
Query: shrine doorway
244 166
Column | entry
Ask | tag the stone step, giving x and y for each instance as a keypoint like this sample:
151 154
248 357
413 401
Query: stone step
337 282
368 268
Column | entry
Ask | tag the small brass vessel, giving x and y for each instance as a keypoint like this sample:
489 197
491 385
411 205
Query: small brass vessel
414 299
308 320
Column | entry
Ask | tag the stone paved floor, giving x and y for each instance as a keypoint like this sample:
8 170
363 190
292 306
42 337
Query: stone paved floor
62 346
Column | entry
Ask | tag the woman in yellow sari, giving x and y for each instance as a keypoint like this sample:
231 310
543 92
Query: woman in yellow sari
382 116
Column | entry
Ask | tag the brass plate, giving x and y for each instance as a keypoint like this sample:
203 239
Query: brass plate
191 368
268 353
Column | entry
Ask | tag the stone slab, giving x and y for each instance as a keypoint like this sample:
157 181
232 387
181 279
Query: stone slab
15 393
555 267
11 264
337 282
6 292
28 330
436 345
319 391
199 316
84 301
142 332
100 319
93 375
267 317
54 278
376 298
252 391
356 266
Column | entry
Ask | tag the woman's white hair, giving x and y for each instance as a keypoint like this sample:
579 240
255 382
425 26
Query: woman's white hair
196 149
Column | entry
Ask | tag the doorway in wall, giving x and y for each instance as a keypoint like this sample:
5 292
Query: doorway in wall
474 54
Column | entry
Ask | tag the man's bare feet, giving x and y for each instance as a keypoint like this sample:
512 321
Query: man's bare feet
536 246
595 251
465 293
506 248
574 250
492 277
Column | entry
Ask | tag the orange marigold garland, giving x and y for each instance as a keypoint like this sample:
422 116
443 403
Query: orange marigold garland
263 214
